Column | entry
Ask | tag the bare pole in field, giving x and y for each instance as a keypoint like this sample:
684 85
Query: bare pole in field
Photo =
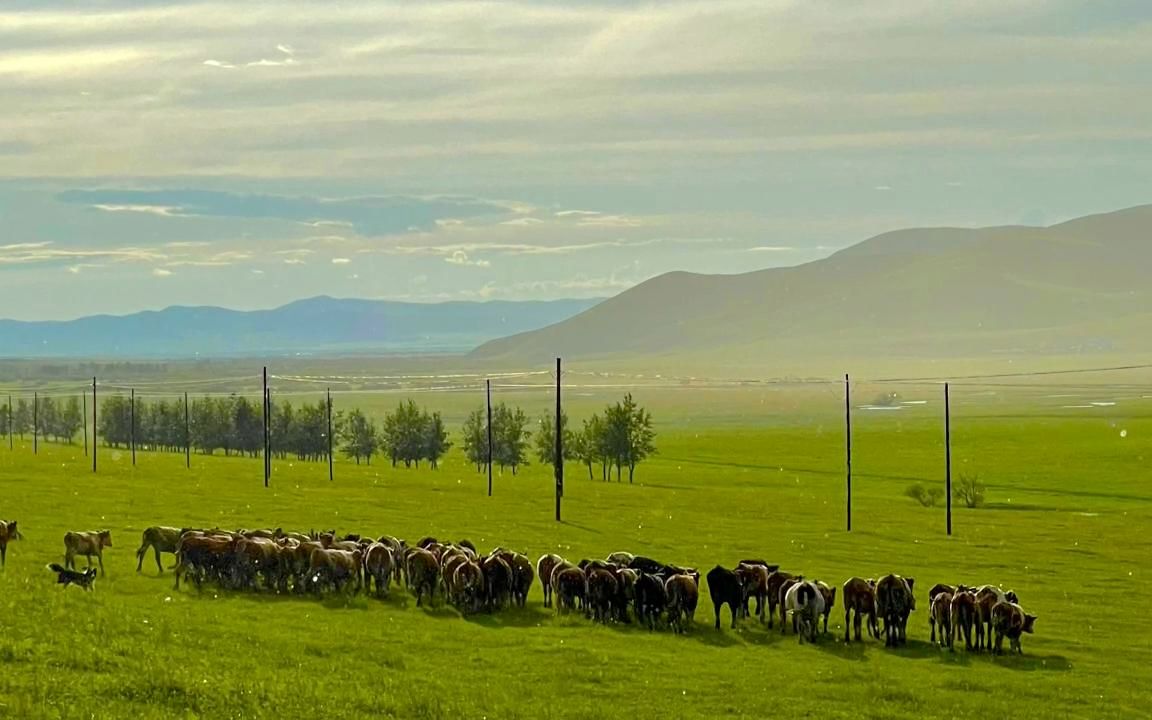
187 435
488 392
264 404
10 439
948 455
84 419
331 470
558 461
35 423
94 443
132 423
848 442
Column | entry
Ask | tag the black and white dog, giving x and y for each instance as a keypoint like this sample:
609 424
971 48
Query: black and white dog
66 577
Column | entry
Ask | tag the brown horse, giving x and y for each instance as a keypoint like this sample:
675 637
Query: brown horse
8 532
86 544
162 540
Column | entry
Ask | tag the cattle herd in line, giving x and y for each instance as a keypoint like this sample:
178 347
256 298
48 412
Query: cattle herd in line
612 590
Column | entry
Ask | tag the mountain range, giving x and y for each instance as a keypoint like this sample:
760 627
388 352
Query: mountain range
320 325
1080 287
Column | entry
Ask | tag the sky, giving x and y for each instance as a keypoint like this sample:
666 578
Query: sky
247 154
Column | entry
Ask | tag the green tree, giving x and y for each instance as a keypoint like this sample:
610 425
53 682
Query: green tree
71 420
544 445
436 443
509 437
361 439
475 439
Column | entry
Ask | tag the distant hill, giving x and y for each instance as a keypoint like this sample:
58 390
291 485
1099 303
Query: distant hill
1079 287
320 325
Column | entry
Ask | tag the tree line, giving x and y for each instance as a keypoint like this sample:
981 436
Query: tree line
617 438
59 421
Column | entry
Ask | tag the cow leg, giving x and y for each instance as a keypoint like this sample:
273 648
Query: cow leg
4 555
847 627
159 565
932 625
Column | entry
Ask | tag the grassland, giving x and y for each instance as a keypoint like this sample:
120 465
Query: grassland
741 472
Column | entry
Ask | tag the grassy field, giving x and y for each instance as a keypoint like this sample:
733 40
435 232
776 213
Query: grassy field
741 472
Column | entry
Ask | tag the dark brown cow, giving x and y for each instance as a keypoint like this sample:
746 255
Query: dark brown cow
467 586
725 588
683 595
625 592
544 567
965 615
86 544
894 602
1009 620
775 584
160 539
570 586
497 581
8 533
941 612
602 589
423 574
258 555
522 577
987 596
203 556
651 599
754 580
860 598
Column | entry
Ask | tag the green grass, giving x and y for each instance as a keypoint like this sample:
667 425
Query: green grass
740 473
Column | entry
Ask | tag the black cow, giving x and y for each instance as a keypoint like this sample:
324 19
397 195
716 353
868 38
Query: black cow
725 588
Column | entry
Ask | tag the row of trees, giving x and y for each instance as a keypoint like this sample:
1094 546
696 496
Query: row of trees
619 437
60 421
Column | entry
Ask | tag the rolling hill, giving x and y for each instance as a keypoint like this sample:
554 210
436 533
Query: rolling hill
1078 287
320 325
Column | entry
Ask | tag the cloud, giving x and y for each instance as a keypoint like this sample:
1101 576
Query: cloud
286 49
883 188
369 215
39 253
459 257
294 261
577 213
341 261
161 272
772 248
219 64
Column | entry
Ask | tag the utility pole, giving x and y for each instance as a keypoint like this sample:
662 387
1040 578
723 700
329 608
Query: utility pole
848 442
488 386
331 470
558 461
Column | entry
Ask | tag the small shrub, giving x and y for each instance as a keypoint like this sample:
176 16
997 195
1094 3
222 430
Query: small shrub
928 497
969 490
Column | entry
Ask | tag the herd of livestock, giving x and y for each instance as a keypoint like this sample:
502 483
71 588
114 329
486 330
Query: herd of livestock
616 589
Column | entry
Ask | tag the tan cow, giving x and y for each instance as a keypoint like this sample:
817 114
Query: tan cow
86 544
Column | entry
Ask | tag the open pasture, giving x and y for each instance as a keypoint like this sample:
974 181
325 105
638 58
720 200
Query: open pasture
741 473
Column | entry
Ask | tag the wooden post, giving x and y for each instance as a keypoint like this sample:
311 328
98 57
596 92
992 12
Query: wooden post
848 442
132 423
94 426
187 435
35 423
84 419
10 438
488 386
558 461
267 419
331 470
948 455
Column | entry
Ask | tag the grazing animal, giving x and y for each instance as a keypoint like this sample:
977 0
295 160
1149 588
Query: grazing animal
570 585
651 599
894 602
829 594
646 565
1009 620
423 574
965 615
86 544
544 567
805 601
726 589
8 532
378 568
497 581
66 577
782 595
467 586
602 589
987 597
162 540
940 612
203 556
860 598
754 579
258 555
621 558
683 596
335 567
775 582
625 592
522 577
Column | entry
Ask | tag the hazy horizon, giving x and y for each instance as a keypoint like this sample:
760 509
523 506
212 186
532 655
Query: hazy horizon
245 156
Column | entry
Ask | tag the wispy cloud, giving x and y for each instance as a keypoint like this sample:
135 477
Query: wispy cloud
341 261
459 257
161 272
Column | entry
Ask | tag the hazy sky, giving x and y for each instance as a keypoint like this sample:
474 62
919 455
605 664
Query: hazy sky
247 154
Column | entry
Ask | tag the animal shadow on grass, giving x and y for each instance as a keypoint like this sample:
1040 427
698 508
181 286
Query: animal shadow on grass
508 617
578 526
